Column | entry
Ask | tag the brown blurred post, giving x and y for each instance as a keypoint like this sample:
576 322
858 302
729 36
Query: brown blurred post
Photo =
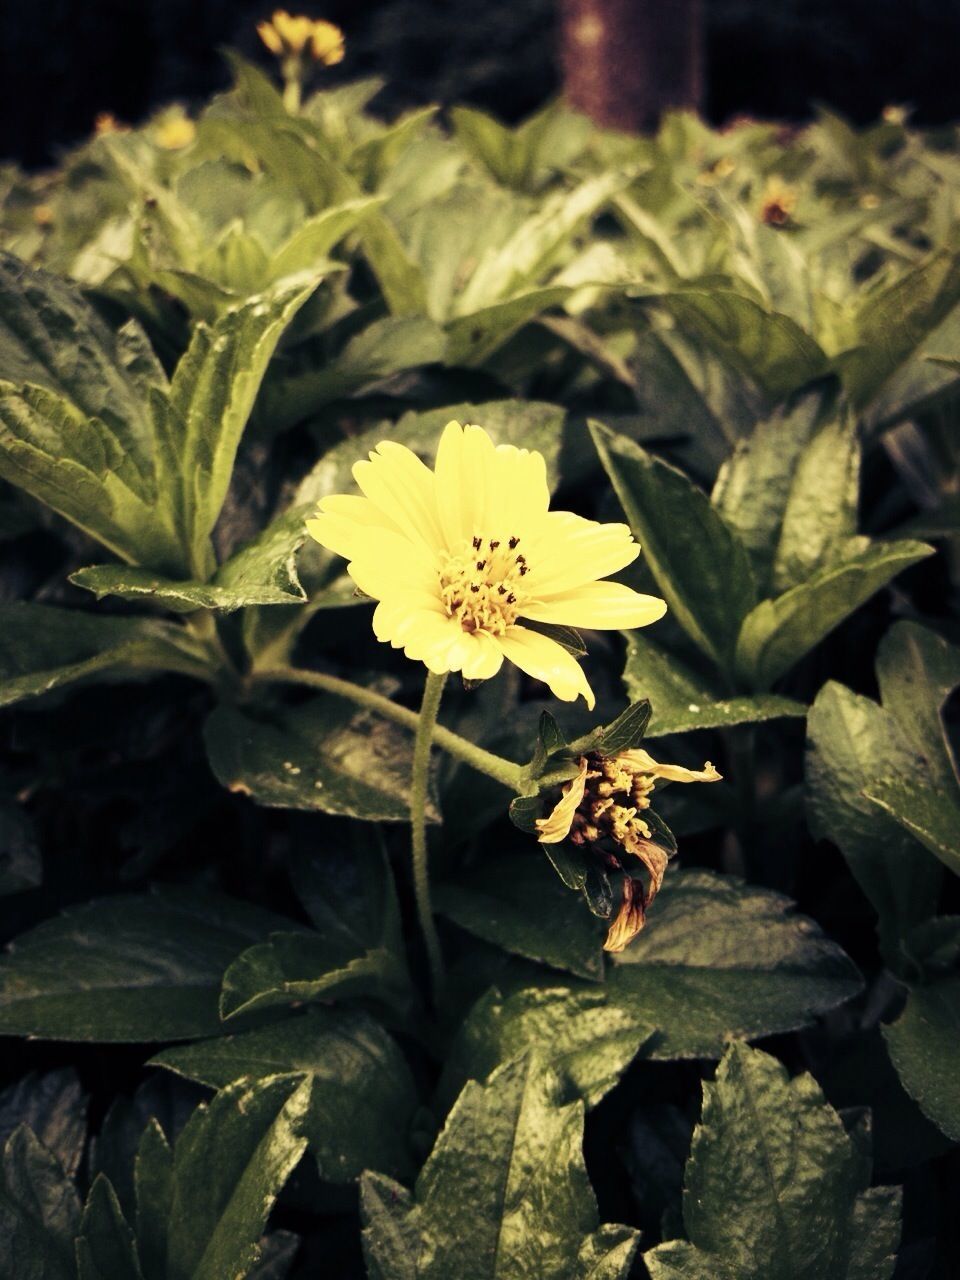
626 61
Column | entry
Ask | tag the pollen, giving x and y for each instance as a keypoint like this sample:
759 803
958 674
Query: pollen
484 595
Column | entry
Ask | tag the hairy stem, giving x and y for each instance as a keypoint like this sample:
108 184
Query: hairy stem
494 766
432 692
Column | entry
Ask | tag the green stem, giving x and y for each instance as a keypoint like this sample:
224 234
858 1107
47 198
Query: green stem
427 720
292 77
503 771
203 625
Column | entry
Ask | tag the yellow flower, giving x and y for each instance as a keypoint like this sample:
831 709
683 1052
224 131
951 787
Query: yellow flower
285 36
43 216
175 133
458 555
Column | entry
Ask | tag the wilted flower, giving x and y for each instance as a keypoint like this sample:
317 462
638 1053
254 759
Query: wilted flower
458 555
602 808
778 202
288 36
106 123
175 133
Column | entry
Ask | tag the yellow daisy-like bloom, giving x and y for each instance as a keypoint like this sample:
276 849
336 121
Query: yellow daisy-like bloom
286 35
175 133
458 555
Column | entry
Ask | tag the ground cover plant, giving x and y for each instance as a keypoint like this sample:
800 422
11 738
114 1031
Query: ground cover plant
630 947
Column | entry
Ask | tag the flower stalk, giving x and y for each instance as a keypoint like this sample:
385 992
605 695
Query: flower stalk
420 776
494 766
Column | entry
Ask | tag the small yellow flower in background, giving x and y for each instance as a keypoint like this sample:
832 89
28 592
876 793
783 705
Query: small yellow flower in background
716 172
43 216
778 202
895 114
458 555
175 133
288 36
602 808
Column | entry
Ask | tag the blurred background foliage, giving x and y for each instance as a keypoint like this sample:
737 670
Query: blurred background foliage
62 63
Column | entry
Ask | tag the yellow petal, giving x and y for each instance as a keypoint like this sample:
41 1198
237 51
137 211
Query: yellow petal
403 489
546 660
629 919
640 761
598 606
556 826
326 43
449 480
571 551
270 38
519 495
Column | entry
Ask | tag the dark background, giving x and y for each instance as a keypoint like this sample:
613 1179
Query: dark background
63 61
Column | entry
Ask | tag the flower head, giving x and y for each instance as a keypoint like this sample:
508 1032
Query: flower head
459 555
106 123
175 133
778 202
289 36
605 809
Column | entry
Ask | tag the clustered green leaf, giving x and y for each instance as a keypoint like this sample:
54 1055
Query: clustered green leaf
206 780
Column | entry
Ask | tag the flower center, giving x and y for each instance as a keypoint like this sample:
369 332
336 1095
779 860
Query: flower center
483 586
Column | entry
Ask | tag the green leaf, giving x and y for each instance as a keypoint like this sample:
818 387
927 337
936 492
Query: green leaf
538 243
77 415
508 1171
229 1165
312 241
754 484
106 1247
720 958
523 156
52 338
363 1100
683 700
700 566
356 947
54 1106
323 756
515 902
767 346
820 514
775 1188
472 338
80 468
134 967
894 324
384 348
21 866
779 632
917 670
575 1031
717 959
922 1044
851 743
43 648
39 1212
211 396
153 1181
261 573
